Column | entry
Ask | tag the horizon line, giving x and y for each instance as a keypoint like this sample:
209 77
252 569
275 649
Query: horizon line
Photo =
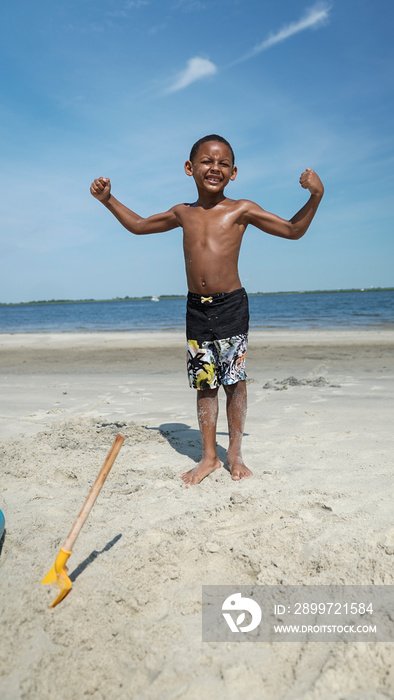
148 297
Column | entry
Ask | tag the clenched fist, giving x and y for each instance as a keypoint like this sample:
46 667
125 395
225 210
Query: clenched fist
310 181
101 189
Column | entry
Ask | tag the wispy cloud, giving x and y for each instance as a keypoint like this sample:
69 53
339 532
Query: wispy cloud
196 69
315 17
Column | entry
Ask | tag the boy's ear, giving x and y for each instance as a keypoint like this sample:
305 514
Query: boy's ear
189 168
234 173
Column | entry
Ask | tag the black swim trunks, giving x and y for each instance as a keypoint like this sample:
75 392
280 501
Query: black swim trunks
218 316
217 335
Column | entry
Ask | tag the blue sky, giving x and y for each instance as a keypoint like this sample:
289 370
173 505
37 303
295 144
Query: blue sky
123 88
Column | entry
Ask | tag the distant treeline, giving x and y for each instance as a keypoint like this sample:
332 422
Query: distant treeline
182 296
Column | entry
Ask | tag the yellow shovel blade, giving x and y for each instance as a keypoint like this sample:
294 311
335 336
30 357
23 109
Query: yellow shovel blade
65 586
58 574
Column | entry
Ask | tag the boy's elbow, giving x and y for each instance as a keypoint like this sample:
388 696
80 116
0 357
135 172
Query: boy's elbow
297 234
294 232
137 227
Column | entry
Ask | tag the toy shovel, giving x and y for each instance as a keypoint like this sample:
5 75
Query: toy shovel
58 573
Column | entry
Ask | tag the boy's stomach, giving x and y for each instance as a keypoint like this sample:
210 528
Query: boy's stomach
212 278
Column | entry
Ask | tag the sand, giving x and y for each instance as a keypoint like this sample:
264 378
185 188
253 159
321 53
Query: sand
318 510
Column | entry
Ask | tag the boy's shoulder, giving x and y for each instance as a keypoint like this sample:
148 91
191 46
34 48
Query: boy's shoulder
247 203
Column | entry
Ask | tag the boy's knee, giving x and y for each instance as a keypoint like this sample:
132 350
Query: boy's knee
237 388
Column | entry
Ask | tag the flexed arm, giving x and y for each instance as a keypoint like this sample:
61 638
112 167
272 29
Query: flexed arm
298 225
158 223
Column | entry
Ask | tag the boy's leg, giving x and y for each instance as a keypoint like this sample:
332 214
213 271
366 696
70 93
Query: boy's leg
236 414
207 413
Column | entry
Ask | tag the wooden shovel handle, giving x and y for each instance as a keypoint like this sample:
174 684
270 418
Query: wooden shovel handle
94 492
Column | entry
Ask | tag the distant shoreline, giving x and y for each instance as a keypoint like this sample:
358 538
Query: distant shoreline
183 296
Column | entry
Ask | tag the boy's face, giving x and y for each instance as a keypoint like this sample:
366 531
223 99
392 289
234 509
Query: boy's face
212 167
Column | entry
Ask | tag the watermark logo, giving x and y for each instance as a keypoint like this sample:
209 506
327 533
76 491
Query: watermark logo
313 613
238 603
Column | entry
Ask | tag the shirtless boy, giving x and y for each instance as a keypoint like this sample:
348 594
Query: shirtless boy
217 306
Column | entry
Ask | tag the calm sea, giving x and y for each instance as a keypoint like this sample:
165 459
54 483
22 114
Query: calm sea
369 309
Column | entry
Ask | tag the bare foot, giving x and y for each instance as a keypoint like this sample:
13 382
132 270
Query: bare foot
237 468
198 473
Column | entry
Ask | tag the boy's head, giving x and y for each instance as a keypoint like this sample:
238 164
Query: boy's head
205 139
211 164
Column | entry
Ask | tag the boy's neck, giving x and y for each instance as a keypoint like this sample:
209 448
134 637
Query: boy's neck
207 200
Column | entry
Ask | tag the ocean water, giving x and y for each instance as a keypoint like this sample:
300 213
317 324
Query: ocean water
369 309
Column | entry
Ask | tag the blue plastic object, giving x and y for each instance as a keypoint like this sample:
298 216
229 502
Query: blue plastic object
2 523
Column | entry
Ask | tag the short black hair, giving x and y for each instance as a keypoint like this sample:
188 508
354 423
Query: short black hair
205 139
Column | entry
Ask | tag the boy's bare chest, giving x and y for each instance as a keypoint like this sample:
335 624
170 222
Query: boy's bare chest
207 224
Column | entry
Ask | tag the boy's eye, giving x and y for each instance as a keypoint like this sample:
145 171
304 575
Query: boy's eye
209 162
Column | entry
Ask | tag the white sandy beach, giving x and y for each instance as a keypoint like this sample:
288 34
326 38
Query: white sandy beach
318 510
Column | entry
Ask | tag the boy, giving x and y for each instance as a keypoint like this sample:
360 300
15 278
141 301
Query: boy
217 306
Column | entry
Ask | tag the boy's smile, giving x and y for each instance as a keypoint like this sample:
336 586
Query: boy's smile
213 178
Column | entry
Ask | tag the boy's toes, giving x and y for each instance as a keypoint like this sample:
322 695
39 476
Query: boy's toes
240 472
187 479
